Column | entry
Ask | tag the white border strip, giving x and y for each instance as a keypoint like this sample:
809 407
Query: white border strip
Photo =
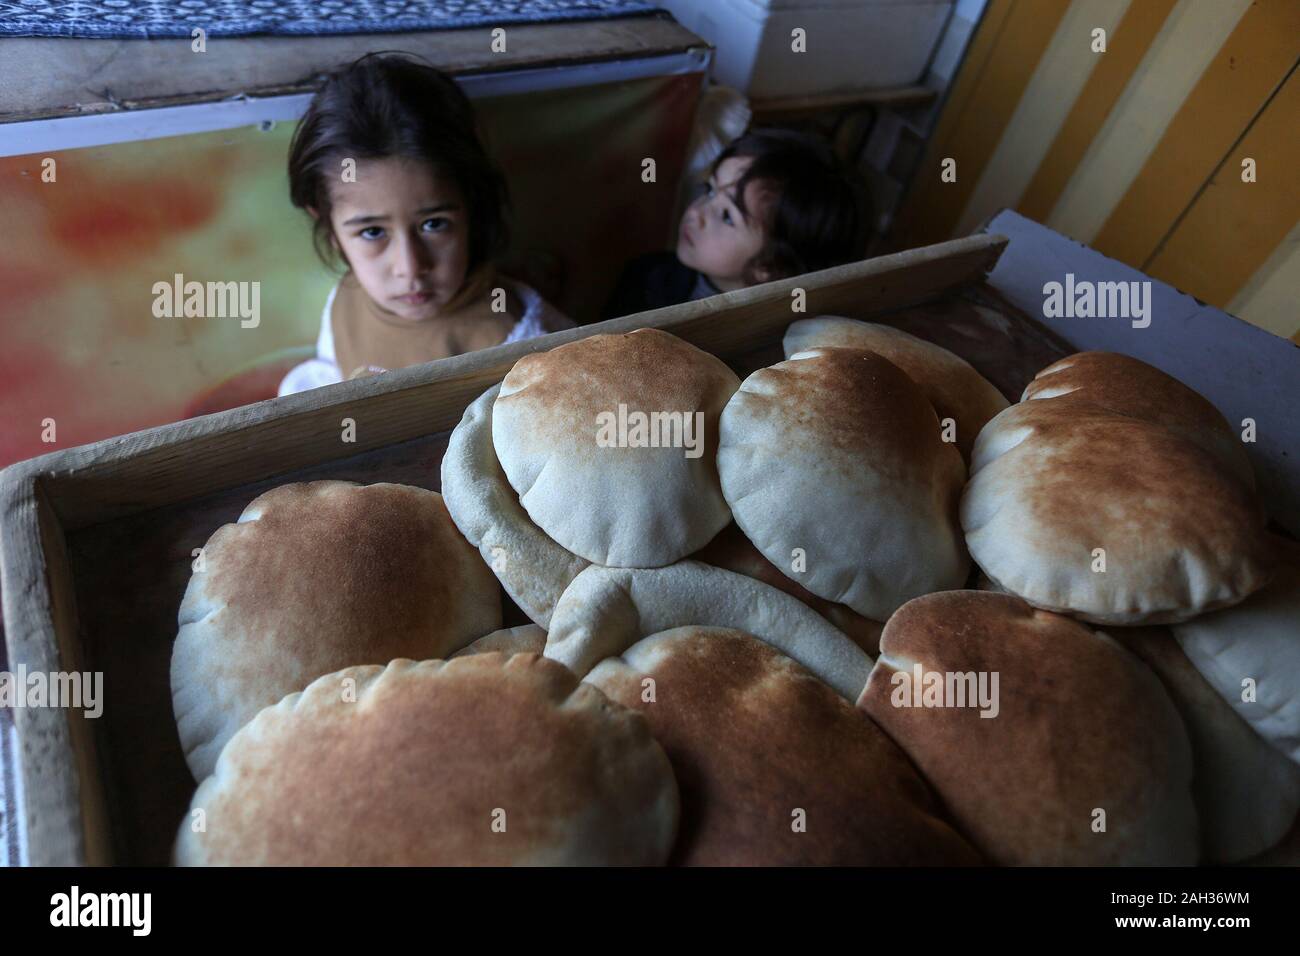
102 129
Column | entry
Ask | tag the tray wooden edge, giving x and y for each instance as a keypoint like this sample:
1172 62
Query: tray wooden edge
53 757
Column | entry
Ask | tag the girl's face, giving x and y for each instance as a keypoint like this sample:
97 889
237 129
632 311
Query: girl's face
715 237
404 232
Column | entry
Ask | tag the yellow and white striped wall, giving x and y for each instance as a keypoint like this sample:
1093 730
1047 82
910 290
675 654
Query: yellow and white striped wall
1137 151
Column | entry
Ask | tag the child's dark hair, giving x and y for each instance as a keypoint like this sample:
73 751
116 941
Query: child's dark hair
815 222
391 105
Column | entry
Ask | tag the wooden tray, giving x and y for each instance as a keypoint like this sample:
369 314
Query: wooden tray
96 541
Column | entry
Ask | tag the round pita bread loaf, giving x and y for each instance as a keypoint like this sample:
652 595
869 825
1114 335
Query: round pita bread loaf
524 639
313 577
532 568
1055 479
953 386
838 453
1078 725
1131 387
485 760
732 551
1256 641
773 767
607 610
1286 853
556 431
1247 793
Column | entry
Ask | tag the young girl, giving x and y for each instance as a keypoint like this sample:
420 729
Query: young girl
388 164
775 205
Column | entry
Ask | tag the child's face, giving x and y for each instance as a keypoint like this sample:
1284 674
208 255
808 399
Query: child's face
714 237
404 232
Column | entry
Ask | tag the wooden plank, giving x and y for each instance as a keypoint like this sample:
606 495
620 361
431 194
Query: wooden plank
1233 227
1128 44
57 760
783 108
158 466
1247 70
987 99
965 82
44 77
73 658
1268 297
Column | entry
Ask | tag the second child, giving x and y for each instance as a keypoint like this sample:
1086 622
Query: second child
775 205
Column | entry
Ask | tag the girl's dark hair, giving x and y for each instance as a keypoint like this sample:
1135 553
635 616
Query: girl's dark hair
815 222
387 104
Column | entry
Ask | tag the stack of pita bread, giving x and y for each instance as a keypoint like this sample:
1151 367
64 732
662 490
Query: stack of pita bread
752 638
1116 495
533 481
